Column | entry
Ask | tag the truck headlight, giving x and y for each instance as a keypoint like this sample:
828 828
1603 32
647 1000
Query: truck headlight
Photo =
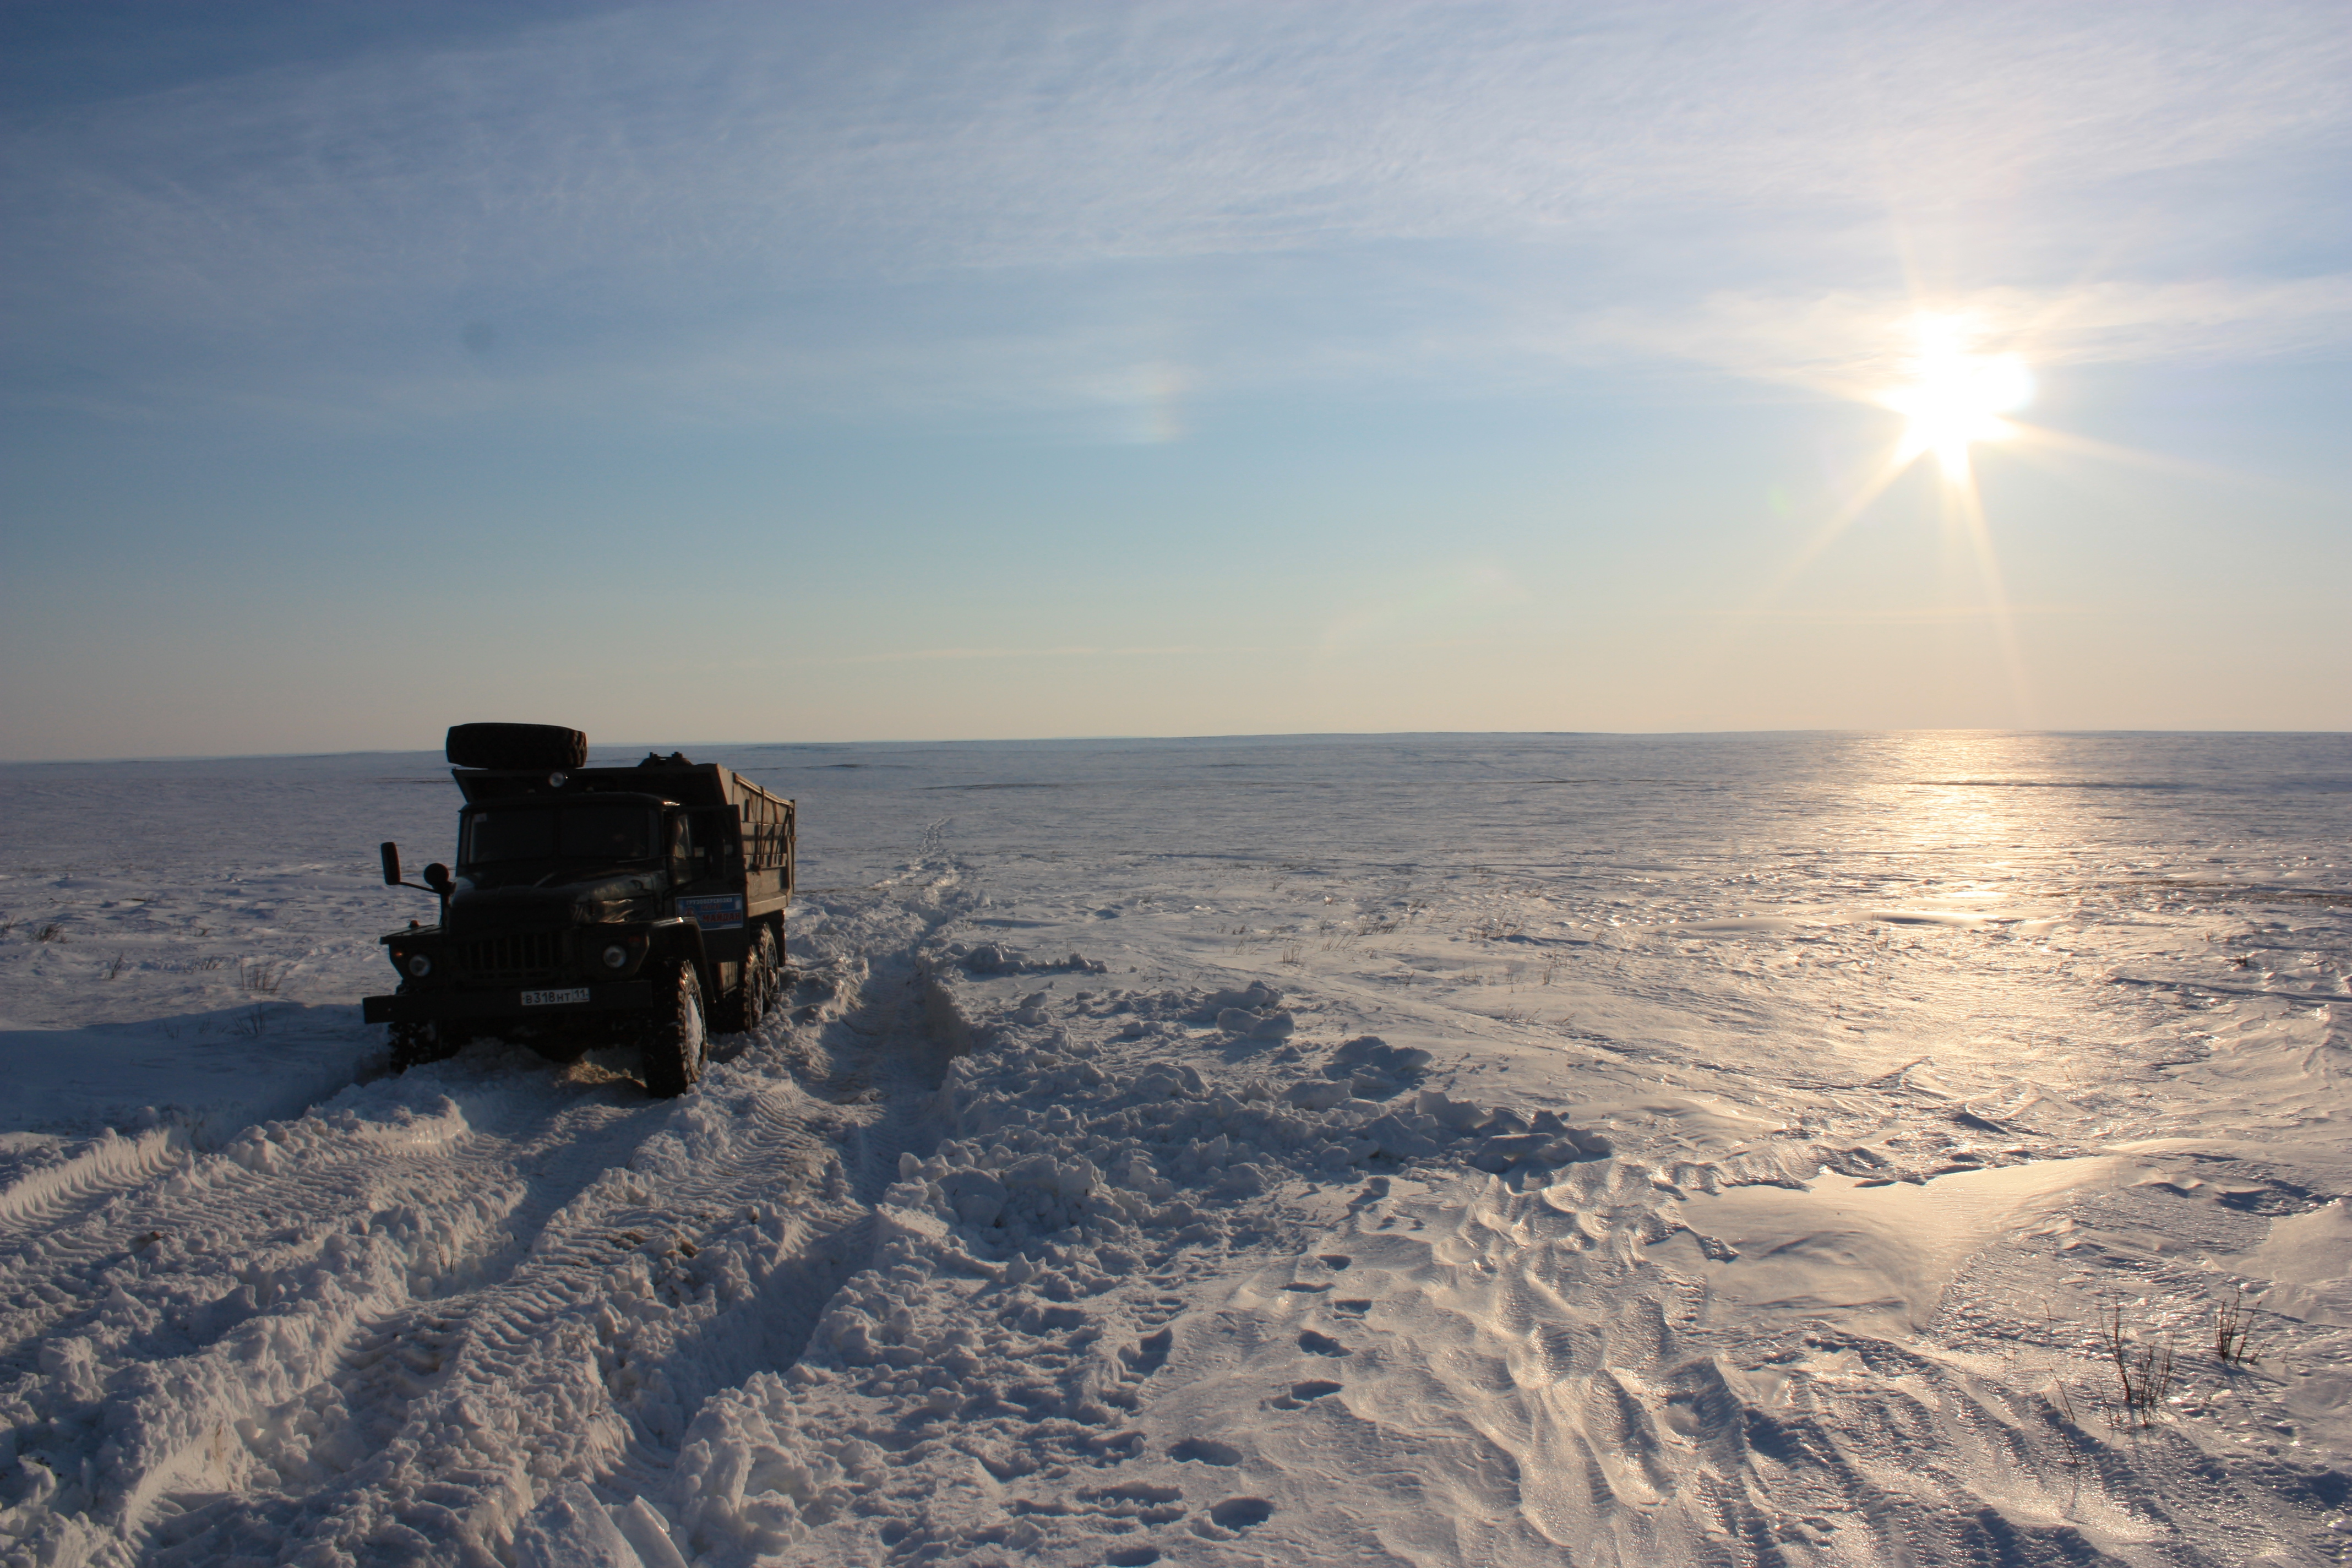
418 964
617 957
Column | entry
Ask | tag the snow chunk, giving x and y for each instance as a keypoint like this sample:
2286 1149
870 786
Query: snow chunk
1071 1178
572 1530
650 1534
1376 1068
1171 1081
1460 1115
974 1197
1312 1094
747 1471
1409 1136
1258 997
1579 1143
994 958
1256 1027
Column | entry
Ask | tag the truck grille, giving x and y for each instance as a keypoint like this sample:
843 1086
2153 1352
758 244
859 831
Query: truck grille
527 955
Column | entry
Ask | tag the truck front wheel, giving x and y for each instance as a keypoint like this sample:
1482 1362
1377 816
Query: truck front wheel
763 982
414 1045
675 1041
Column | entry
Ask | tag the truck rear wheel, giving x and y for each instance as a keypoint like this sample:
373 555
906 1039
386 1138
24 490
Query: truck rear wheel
763 982
414 1045
674 1042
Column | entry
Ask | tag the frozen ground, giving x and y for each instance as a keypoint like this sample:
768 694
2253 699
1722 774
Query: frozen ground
1463 1150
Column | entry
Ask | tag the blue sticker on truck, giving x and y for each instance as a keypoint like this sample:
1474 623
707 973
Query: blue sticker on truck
714 912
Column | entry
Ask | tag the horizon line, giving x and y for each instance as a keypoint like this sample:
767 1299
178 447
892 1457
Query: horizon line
1173 739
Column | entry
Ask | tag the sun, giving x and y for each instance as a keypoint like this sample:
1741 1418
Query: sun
1955 397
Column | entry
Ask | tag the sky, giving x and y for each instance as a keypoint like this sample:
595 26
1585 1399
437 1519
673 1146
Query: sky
829 372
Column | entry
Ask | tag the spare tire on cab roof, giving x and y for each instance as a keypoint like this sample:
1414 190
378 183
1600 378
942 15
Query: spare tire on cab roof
526 746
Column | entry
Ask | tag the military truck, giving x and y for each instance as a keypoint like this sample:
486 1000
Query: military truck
641 904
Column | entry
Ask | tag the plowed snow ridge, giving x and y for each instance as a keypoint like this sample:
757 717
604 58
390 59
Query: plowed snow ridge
391 1318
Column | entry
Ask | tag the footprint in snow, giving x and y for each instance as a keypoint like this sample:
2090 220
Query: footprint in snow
1205 1451
1354 1306
1150 1354
1302 1394
1305 1285
1334 1261
1314 1343
1241 1513
1134 1557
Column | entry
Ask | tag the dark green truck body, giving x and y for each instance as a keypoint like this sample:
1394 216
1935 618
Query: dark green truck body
578 895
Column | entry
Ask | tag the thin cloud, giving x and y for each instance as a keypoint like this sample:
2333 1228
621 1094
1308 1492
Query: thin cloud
958 655
1845 340
652 200
1922 616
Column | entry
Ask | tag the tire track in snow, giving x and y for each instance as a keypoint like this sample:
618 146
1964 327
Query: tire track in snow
711 1255
150 1330
193 1218
180 1239
50 1195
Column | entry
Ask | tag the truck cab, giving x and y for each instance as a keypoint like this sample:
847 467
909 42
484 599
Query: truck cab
590 904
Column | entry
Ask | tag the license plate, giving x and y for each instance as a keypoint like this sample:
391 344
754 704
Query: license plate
714 912
554 998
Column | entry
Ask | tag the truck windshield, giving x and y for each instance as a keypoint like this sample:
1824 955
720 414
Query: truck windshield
571 833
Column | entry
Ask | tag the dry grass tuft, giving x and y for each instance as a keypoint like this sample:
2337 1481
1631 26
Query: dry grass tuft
2142 1373
2233 1328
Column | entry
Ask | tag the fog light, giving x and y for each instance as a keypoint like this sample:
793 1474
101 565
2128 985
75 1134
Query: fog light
616 956
419 965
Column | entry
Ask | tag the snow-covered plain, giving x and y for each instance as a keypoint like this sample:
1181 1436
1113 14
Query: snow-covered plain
1479 1149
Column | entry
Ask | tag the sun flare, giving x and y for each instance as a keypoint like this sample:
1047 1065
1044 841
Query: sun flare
1956 397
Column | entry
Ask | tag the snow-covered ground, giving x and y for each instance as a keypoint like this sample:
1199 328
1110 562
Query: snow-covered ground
1479 1149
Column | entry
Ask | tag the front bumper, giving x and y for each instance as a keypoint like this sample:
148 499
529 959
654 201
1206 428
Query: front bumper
532 1003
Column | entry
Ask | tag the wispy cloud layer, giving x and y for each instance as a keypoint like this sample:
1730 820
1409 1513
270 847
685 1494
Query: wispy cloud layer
961 654
1845 340
793 208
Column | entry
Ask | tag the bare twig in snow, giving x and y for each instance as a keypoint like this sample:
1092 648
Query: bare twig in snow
2233 1326
2142 1373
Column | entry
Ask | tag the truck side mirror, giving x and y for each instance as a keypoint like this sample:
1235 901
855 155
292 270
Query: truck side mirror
436 877
391 853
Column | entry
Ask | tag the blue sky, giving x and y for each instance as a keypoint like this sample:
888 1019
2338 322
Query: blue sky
821 372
